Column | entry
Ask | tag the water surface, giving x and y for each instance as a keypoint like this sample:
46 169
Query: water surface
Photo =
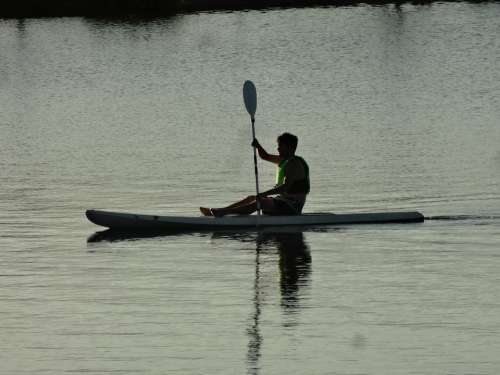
395 108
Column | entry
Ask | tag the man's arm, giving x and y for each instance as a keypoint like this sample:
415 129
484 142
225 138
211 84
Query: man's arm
276 159
276 190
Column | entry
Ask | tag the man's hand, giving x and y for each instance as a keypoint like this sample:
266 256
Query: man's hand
255 143
276 159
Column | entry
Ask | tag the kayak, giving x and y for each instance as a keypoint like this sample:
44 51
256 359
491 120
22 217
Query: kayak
139 222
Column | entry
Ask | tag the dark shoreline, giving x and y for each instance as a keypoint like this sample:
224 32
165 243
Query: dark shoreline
159 8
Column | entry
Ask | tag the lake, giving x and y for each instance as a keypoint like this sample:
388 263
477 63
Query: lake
396 108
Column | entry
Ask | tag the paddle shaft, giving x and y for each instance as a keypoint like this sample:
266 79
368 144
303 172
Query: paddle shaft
257 199
250 100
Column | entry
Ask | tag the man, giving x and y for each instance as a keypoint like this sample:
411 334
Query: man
292 184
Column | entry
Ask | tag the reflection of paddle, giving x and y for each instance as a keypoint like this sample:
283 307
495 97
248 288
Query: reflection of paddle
250 99
255 342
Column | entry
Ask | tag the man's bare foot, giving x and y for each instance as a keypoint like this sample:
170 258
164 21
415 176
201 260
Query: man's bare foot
206 211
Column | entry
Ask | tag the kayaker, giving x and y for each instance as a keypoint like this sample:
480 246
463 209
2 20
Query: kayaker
291 189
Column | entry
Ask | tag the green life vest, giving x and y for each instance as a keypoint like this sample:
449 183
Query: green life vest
301 186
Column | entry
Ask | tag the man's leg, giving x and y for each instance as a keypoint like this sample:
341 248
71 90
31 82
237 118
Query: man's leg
244 202
237 210
267 204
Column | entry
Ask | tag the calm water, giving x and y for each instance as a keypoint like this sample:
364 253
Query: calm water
395 109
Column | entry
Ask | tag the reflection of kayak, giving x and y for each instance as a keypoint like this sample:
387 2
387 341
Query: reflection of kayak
129 221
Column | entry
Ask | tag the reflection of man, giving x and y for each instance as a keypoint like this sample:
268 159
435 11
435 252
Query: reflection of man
292 184
294 263
295 266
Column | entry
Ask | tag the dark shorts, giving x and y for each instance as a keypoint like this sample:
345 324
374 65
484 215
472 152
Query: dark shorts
283 207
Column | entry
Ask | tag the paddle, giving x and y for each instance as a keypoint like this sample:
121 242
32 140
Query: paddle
250 99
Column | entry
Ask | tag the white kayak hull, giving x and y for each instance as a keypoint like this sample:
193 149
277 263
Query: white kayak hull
138 222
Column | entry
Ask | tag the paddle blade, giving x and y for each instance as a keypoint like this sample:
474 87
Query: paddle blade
250 97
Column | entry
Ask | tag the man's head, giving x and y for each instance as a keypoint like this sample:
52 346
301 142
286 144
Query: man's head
287 144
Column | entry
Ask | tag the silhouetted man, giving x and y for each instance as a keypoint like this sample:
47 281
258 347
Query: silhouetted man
292 184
